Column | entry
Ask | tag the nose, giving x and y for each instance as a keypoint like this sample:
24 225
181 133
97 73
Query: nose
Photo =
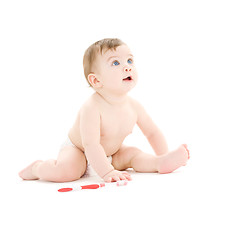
127 69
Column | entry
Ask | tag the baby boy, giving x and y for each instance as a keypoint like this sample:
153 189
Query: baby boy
104 121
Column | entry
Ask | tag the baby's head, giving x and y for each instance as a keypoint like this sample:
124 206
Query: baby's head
108 64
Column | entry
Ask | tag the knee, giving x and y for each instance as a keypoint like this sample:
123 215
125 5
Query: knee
133 151
66 177
67 174
123 159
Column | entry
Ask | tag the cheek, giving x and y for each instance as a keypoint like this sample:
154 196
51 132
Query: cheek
114 75
135 74
102 75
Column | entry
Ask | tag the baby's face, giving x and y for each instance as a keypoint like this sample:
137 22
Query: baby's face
116 70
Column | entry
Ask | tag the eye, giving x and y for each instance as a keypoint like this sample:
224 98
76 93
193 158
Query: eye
130 61
115 63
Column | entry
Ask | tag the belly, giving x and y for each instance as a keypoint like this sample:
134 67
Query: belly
110 144
111 137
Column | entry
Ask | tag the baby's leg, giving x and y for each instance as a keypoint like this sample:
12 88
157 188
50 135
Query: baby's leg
131 157
69 166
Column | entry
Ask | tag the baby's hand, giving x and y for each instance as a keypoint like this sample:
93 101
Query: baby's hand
116 175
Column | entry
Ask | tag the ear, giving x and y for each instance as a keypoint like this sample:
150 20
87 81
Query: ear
93 80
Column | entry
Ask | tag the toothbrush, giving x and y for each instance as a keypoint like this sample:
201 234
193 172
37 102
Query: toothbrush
91 186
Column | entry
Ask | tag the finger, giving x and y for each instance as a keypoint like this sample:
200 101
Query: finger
122 177
126 173
128 176
115 179
109 179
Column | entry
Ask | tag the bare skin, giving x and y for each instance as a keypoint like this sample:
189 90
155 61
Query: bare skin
102 124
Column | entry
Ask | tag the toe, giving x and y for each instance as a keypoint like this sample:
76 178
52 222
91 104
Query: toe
186 148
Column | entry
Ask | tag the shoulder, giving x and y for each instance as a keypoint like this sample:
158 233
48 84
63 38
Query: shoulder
137 106
90 107
142 115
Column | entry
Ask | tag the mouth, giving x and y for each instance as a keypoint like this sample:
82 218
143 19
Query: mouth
129 78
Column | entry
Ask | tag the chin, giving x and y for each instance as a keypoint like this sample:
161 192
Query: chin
129 86
129 83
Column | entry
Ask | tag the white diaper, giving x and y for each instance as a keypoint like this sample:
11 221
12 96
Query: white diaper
89 171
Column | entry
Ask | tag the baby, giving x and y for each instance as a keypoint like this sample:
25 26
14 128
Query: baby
103 122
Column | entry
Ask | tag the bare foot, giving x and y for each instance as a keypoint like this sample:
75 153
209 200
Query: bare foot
173 160
26 173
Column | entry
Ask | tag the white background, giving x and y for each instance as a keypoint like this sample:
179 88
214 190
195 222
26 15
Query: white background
180 53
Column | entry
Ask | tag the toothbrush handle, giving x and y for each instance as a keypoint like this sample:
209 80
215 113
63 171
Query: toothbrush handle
90 186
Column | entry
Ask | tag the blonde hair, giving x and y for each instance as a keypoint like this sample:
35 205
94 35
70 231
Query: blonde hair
95 49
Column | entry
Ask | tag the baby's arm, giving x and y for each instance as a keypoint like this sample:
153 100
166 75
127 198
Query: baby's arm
90 134
150 130
95 153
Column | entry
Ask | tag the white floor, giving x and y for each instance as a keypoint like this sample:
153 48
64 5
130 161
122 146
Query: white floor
187 204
